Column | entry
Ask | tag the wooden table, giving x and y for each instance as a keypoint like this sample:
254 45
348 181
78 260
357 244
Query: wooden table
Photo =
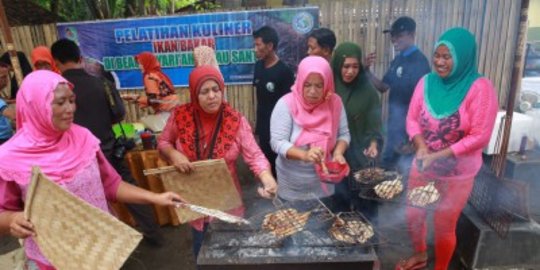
137 161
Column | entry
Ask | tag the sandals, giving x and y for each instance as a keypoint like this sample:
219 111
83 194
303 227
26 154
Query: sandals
415 262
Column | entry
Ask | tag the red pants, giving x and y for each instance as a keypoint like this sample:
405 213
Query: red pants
454 195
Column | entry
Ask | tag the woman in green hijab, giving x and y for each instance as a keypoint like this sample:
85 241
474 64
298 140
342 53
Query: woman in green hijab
363 108
450 120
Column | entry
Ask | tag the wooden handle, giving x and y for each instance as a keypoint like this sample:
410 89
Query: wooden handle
166 169
324 168
158 170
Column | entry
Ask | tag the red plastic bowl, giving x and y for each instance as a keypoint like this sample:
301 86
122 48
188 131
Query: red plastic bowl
336 172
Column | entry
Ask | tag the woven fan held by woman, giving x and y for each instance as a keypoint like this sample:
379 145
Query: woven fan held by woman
66 153
209 128
450 120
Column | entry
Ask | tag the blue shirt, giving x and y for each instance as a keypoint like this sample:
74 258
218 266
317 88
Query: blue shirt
404 73
5 127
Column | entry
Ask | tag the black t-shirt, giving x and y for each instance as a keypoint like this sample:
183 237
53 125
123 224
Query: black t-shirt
271 84
93 111
404 73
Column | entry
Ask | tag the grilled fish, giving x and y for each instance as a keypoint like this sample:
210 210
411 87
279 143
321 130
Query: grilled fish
369 174
425 195
389 189
285 222
351 231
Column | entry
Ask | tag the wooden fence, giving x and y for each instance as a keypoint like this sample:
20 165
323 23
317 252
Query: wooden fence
494 23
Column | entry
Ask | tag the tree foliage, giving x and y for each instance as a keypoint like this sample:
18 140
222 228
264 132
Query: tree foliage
79 10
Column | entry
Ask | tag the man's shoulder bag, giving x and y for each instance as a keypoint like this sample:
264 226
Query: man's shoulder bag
116 105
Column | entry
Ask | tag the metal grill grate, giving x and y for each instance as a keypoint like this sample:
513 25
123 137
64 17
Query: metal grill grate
499 202
369 177
352 229
292 217
401 198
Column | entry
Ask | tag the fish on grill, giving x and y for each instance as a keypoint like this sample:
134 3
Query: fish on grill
285 222
389 189
351 231
423 196
369 175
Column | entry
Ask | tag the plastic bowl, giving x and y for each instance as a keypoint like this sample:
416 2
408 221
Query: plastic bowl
336 172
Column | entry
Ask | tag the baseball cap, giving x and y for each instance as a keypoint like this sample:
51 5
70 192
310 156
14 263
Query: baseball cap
402 24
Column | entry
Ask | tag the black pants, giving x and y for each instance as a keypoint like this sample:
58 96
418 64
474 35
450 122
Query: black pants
345 199
264 143
3 141
142 213
198 237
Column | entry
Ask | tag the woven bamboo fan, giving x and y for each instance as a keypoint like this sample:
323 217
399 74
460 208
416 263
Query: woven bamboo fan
73 234
210 185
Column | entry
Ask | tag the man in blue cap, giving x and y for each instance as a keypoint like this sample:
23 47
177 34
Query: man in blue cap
405 71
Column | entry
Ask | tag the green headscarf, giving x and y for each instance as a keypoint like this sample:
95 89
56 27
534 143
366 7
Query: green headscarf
443 96
362 105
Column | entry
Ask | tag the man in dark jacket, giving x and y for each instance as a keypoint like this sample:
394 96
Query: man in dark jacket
405 71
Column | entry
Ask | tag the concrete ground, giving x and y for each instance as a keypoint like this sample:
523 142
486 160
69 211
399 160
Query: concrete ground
176 252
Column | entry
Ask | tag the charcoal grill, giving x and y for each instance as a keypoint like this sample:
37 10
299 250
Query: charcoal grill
499 202
229 246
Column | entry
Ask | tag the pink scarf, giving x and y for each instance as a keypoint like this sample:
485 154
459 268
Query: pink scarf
60 155
319 122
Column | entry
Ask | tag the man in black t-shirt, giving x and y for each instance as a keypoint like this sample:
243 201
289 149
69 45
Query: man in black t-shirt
272 79
404 72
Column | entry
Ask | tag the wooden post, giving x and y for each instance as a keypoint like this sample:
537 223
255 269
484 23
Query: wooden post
500 159
9 46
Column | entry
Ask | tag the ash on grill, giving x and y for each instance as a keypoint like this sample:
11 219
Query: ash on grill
301 223
253 246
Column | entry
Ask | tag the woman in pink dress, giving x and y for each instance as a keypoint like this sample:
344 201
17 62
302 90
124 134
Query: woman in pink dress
66 153
209 128
450 120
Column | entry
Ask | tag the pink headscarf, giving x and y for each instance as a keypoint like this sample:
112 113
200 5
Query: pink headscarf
319 122
60 155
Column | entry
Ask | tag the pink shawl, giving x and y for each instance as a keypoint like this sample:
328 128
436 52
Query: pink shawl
60 155
319 122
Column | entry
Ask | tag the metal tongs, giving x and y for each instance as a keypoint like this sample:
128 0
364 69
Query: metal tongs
213 213
420 165
275 199
371 163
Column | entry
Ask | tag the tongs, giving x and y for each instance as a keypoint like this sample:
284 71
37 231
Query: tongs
214 213
275 199
371 163
420 165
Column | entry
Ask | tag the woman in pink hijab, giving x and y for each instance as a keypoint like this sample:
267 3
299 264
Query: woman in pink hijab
66 153
308 126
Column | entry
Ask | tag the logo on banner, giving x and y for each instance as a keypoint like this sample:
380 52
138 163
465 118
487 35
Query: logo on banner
303 22
72 34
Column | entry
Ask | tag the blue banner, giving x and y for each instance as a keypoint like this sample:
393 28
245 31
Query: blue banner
112 45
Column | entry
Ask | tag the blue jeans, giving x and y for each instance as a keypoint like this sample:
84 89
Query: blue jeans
396 136
198 237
